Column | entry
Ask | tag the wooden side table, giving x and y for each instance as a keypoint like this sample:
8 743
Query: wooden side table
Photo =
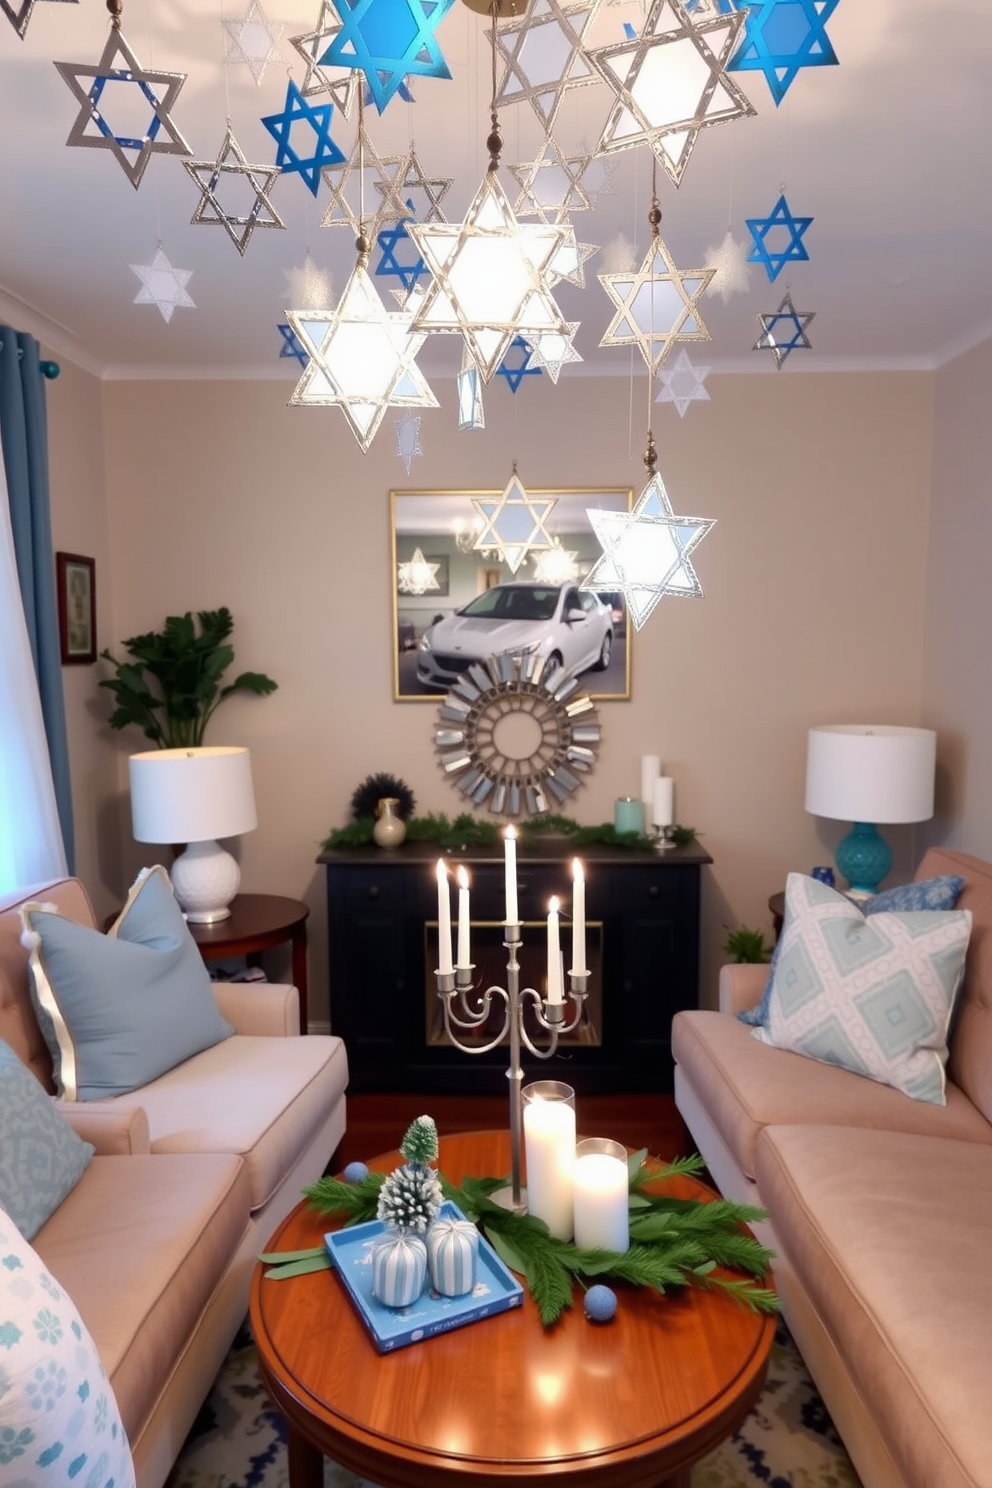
258 922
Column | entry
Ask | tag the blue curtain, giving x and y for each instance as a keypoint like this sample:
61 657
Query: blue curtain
24 440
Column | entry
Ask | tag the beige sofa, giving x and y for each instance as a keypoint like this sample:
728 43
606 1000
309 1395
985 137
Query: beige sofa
880 1210
156 1243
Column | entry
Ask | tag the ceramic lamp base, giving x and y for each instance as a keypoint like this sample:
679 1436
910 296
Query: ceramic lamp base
864 858
205 879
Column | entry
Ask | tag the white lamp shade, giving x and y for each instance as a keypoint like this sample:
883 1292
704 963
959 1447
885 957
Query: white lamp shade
870 773
191 795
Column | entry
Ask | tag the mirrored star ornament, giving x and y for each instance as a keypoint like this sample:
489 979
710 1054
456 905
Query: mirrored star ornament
569 262
417 575
783 331
339 83
646 551
729 261
657 304
211 211
783 36
423 194
682 384
408 446
254 41
551 185
163 286
513 523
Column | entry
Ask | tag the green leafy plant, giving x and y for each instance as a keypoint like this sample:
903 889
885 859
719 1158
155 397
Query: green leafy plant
745 944
469 831
172 685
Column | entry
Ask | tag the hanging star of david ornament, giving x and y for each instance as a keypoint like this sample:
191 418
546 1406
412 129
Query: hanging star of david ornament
163 286
669 84
551 185
570 260
119 65
729 261
254 41
209 174
308 287
646 551
291 347
398 257
513 523
471 413
361 358
516 364
339 83
783 36
551 350
20 15
784 331
422 194
389 40
408 445
351 184
778 238
600 174
682 384
657 305
296 114
488 276
544 56
417 575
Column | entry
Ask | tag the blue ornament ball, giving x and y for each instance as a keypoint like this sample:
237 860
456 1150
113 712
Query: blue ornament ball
601 1304
355 1172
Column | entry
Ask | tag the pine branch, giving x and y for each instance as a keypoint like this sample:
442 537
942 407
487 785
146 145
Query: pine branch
357 1200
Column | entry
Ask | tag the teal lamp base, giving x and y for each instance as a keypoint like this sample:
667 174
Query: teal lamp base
864 858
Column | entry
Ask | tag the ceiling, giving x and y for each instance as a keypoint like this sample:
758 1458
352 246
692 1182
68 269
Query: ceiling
890 153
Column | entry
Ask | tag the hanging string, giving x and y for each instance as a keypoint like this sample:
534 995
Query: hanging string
654 222
362 243
494 143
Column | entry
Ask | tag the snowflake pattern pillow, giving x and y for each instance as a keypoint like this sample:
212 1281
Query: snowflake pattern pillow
871 994
59 1422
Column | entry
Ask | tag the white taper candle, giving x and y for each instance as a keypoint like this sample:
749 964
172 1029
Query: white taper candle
443 919
510 862
579 967
464 958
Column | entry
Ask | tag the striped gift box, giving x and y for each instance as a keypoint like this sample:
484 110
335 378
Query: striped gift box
452 1245
399 1269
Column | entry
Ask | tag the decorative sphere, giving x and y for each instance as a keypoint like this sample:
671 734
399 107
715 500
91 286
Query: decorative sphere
601 1304
355 1172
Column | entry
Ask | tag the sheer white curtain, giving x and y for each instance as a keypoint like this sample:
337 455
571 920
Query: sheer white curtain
30 838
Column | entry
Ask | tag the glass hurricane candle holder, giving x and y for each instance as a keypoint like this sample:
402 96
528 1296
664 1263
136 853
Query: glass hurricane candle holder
549 1151
601 1195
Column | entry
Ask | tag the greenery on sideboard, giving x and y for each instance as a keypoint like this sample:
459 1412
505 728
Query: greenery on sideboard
470 831
173 683
747 945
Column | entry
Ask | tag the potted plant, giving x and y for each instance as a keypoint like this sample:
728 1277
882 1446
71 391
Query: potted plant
745 944
173 683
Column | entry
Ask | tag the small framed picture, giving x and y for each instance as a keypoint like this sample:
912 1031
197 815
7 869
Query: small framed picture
76 583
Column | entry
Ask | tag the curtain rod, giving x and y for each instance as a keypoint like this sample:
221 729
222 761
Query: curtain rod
50 370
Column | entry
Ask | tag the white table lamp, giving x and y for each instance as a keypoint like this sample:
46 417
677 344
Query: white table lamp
864 774
195 796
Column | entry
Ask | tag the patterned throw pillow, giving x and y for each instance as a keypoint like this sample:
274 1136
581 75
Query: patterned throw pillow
929 893
873 994
59 1422
41 1157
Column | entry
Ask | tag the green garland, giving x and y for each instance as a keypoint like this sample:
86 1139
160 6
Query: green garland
674 1242
469 831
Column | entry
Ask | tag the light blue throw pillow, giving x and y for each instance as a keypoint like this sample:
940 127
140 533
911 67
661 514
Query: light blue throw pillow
59 1421
929 893
123 1007
41 1157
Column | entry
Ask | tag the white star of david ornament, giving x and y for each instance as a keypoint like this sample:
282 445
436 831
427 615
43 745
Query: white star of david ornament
308 287
340 83
363 169
254 41
417 575
513 523
162 285
570 260
488 277
208 175
670 84
551 350
682 384
646 552
551 185
544 56
361 358
413 186
656 305
730 262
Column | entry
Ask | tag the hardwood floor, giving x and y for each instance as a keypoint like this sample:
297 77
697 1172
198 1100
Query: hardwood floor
376 1123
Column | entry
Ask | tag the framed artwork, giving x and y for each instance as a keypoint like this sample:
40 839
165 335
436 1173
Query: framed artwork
76 585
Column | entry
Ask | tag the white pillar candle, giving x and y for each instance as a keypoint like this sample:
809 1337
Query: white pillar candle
510 864
650 770
443 919
601 1196
464 953
554 956
663 802
579 967
549 1148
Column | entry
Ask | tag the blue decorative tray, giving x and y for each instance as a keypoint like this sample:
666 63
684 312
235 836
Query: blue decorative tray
496 1289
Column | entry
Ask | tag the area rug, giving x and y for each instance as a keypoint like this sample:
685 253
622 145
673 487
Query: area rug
787 1441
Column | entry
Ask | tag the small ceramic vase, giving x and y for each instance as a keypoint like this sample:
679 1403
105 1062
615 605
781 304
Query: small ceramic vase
390 828
399 1269
452 1248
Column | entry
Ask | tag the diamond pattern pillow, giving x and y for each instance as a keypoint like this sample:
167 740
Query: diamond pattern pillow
871 994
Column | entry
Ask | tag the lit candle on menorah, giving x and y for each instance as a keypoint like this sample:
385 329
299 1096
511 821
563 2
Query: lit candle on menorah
550 1013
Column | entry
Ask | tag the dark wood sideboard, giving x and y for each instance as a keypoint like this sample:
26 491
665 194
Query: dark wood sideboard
642 910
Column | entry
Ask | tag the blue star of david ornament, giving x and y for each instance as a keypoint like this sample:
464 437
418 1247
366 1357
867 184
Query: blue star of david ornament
514 368
773 255
782 36
784 330
389 40
390 266
291 345
318 117
402 92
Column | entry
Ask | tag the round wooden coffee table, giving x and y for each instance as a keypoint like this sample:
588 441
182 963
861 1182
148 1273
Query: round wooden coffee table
629 1404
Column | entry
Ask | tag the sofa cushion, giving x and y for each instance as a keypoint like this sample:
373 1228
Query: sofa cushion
872 995
263 1099
121 1008
745 1086
887 1233
140 1245
59 1421
41 1157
